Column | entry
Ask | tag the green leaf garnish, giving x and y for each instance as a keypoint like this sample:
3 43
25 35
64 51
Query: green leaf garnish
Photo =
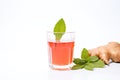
99 64
89 66
87 62
75 67
93 59
85 55
79 61
59 29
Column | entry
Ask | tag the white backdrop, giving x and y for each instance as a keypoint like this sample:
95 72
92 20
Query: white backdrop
23 26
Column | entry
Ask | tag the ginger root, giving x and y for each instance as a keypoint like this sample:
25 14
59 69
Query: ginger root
107 52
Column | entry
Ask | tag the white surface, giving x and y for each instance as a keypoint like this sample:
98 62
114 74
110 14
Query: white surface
23 26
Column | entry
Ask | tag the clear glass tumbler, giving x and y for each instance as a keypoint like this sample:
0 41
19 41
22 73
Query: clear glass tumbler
60 52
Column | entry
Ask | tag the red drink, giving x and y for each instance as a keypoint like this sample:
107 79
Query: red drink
61 53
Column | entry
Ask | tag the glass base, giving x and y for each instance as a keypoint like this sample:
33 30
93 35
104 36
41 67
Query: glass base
59 67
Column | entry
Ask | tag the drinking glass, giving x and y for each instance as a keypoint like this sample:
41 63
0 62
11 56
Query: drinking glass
60 52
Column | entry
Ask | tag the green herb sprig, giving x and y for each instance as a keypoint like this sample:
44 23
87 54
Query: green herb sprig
87 62
59 29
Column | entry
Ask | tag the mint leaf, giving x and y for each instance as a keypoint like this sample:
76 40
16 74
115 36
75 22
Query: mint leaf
93 59
99 64
87 62
79 61
85 55
59 29
75 67
89 66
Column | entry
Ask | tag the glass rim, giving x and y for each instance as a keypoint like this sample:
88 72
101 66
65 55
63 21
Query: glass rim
60 32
